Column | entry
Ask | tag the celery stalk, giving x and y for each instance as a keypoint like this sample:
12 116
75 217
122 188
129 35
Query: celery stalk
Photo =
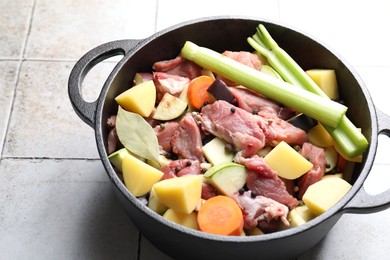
350 140
322 109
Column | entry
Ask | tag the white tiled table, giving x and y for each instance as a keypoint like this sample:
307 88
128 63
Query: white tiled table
55 199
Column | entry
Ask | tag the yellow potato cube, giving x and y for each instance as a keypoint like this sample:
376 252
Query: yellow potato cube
287 162
299 216
155 203
254 232
324 194
336 175
139 177
187 220
326 80
319 136
181 194
139 99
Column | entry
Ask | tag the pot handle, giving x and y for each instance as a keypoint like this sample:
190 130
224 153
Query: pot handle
86 110
363 202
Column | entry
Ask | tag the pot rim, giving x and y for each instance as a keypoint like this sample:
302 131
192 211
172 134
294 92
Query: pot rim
335 210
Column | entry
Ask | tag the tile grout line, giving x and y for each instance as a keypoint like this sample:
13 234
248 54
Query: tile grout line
29 29
17 76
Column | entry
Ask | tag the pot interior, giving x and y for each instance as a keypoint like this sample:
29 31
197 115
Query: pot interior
222 34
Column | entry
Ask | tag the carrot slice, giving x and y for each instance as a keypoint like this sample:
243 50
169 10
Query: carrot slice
221 215
197 91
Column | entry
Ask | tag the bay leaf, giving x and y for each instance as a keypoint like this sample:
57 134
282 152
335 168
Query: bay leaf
137 135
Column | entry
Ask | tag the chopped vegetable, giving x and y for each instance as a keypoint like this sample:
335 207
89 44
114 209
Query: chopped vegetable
336 175
215 151
187 220
350 140
155 203
326 80
197 91
320 108
270 71
219 91
139 99
319 136
332 158
182 194
220 215
324 194
294 165
116 158
139 177
227 177
170 107
300 215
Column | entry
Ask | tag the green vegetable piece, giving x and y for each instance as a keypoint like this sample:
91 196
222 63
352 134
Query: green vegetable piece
137 135
270 71
320 108
116 158
331 158
350 140
227 177
215 151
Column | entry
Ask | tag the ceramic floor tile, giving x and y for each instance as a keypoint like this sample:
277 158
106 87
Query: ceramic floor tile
62 209
43 123
8 71
355 29
67 29
15 16
262 9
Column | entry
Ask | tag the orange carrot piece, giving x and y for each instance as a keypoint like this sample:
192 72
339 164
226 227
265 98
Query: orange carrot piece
221 215
197 91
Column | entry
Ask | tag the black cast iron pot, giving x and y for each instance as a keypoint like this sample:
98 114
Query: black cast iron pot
219 34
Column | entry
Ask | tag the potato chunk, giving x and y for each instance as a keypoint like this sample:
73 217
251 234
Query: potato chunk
181 194
155 203
287 162
324 194
300 215
139 99
319 136
139 177
326 80
187 220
